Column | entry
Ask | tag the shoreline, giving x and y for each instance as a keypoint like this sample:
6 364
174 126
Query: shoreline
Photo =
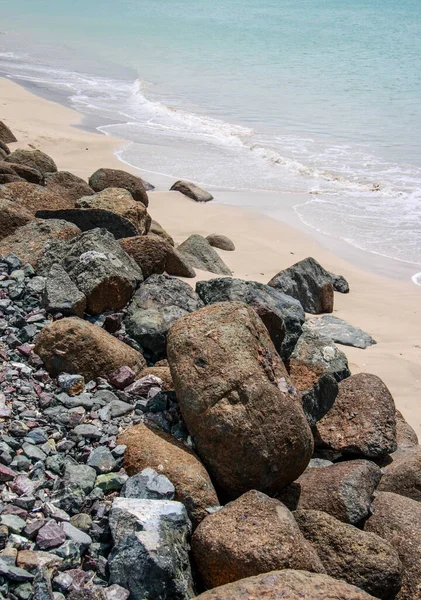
383 300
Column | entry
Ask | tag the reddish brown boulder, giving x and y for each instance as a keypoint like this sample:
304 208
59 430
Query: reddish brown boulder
29 242
358 557
33 158
251 535
34 197
398 520
362 420
12 216
405 435
67 184
72 345
403 474
177 264
21 171
149 252
232 389
147 447
344 490
287 585
6 135
120 202
114 178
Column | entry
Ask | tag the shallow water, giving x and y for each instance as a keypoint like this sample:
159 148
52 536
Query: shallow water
319 96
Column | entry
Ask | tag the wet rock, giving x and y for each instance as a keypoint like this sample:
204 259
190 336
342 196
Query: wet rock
148 484
252 535
153 536
34 159
62 295
397 520
220 241
339 331
120 202
191 190
31 240
287 585
344 490
115 178
200 255
308 282
75 346
65 183
6 136
362 420
282 314
152 448
357 557
233 393
156 305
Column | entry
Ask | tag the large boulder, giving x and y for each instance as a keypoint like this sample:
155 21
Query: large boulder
61 295
309 282
72 345
67 184
158 303
6 135
251 535
22 171
339 331
114 178
120 202
405 435
282 314
34 197
177 264
151 447
233 393
344 490
403 474
33 158
149 252
150 555
362 420
32 240
358 557
220 241
397 520
201 255
12 216
191 190
87 219
287 585
101 270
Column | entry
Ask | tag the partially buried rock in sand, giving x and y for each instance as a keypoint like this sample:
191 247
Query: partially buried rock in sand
309 282
191 190
220 241
200 255
232 388
72 345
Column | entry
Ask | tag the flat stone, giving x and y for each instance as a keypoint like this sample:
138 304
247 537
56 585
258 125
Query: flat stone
339 331
102 460
148 484
50 536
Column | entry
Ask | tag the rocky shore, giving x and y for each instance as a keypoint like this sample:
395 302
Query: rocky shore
159 441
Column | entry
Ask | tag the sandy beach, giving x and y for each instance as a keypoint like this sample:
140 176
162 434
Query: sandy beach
383 300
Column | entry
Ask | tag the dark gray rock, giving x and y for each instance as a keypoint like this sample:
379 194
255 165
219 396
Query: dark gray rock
340 284
191 190
158 303
102 460
148 484
309 282
152 535
93 218
61 295
282 314
201 255
82 476
339 331
14 573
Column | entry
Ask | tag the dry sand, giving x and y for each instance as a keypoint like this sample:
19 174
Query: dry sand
386 307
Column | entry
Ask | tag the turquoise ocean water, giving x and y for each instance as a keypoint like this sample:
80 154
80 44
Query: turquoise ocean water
320 96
